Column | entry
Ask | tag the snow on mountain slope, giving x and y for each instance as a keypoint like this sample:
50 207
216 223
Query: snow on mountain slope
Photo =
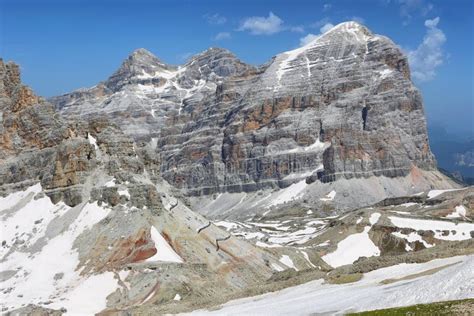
165 253
453 282
443 230
351 249
43 268
354 246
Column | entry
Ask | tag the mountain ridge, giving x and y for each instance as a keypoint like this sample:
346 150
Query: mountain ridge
337 108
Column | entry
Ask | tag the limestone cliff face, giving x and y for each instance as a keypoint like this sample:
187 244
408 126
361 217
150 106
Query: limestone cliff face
343 106
37 144
78 193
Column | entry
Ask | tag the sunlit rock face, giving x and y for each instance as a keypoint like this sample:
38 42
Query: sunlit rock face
83 219
342 106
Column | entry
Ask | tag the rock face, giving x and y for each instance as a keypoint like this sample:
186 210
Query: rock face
80 210
36 144
342 106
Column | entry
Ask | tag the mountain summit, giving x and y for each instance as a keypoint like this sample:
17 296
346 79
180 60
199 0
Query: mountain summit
335 111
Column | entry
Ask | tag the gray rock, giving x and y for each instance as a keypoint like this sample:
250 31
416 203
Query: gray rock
340 107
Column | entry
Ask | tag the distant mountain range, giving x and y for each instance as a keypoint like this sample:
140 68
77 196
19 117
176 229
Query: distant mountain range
454 153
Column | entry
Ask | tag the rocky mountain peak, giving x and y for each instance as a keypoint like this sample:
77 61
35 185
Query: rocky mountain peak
218 62
11 87
141 64
142 52
337 109
142 58
349 31
212 52
351 26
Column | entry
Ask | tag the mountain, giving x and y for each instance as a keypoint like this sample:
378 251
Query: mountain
325 117
454 154
169 189
84 229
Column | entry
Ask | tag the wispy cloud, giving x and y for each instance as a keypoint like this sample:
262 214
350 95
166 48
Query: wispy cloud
308 39
297 29
311 37
222 36
215 19
326 27
327 7
358 19
429 55
320 23
259 25
410 7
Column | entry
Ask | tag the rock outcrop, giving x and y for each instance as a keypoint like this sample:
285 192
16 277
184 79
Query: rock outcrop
341 107
80 212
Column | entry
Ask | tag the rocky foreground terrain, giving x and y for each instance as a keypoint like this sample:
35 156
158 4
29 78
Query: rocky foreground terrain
177 189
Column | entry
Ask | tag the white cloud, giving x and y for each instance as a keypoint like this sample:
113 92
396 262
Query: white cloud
327 7
259 25
308 39
358 19
429 54
311 37
222 36
326 27
320 23
297 29
215 19
410 7
432 23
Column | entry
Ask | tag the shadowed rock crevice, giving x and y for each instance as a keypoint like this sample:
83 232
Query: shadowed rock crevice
365 111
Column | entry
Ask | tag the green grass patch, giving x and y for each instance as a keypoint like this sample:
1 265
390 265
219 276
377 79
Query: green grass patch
344 278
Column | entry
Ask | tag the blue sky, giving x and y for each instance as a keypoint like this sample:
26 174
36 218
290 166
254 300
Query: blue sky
62 45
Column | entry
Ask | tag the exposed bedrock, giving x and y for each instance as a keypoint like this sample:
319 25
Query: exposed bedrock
341 107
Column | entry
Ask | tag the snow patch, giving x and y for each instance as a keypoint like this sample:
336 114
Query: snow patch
290 193
412 237
286 260
460 231
164 252
92 141
374 218
459 212
227 225
124 192
277 267
352 248
264 245
305 255
384 73
316 146
35 280
329 197
315 297
110 183
434 193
